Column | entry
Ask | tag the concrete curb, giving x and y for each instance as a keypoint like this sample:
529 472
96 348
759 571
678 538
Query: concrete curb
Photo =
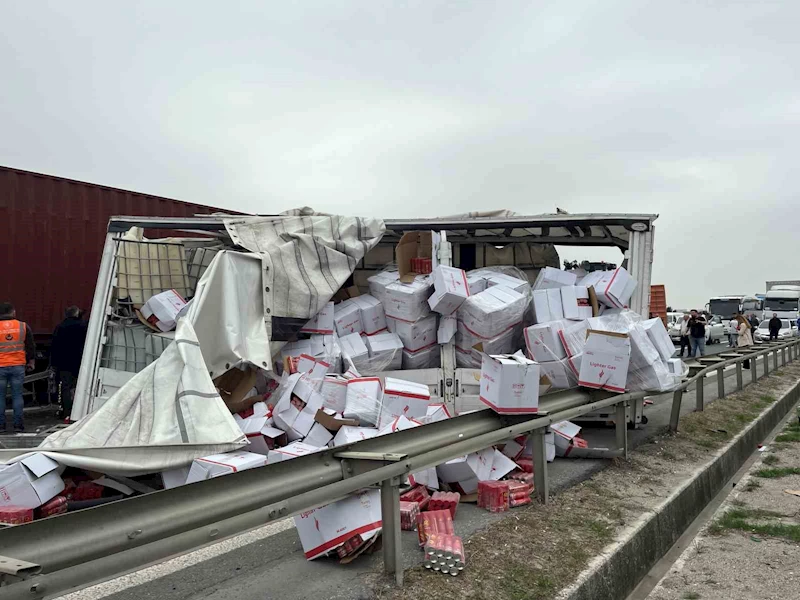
616 573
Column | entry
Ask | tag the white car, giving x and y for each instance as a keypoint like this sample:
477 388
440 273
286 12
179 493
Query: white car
715 330
787 330
674 320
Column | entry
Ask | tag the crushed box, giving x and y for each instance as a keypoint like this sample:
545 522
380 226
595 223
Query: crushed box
575 302
161 311
29 482
217 465
450 290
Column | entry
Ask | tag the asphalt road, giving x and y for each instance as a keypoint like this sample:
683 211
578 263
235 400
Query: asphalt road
274 567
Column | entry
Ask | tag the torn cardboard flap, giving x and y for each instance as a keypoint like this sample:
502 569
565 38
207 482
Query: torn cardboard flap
234 386
595 304
413 244
331 423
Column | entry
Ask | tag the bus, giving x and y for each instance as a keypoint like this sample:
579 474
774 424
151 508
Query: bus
728 306
783 300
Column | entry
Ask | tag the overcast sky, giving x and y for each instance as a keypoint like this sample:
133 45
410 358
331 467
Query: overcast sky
688 109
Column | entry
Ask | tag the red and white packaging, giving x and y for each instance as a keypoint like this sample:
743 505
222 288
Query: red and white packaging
415 335
543 341
334 392
660 339
323 529
322 322
364 396
575 302
567 439
604 364
347 318
295 411
373 319
161 311
348 434
378 282
354 348
217 465
436 412
450 290
289 452
29 482
397 424
552 278
477 284
573 337
403 398
408 515
385 351
313 368
262 437
426 358
318 437
559 374
466 471
613 288
510 384
408 301
492 311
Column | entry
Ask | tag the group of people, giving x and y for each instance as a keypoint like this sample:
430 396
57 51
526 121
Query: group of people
18 356
693 332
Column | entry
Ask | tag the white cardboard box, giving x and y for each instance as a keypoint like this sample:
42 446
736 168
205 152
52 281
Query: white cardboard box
314 368
659 337
161 311
451 289
427 358
348 434
615 288
373 319
604 364
291 451
217 465
476 284
510 384
554 302
575 302
400 423
559 373
347 318
354 348
550 277
518 285
322 322
173 478
334 392
385 352
364 395
30 482
436 412
543 341
408 301
675 366
415 335
467 471
573 337
324 529
403 399
643 352
489 313
565 432
447 329
547 305
260 433
378 282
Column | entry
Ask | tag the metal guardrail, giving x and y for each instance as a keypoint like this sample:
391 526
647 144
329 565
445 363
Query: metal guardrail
77 549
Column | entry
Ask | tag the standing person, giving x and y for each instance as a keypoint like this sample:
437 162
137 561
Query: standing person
17 352
697 333
685 336
65 355
733 331
774 327
745 337
753 320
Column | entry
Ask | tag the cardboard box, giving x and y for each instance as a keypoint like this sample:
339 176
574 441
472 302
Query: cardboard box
427 358
477 284
605 361
415 335
161 311
354 348
385 352
559 374
451 289
261 435
322 322
573 337
333 421
499 344
378 282
575 302
318 437
551 278
30 482
334 393
324 529
467 471
313 368
408 301
217 465
544 343
289 452
413 244
655 377
435 413
173 478
613 288
643 352
554 302
350 435
373 319
347 318
675 366
447 329
660 338
567 441
295 411
510 384
492 311
547 305
363 402
518 285
403 398
394 424
234 388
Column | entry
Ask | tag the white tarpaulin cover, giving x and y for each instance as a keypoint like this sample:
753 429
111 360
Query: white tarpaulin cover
170 412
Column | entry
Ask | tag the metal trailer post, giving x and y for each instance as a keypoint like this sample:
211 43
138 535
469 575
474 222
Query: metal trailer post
640 266
698 393
621 422
675 416
390 514
721 382
540 483
739 382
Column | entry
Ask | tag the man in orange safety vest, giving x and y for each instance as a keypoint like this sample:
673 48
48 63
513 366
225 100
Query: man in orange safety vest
17 352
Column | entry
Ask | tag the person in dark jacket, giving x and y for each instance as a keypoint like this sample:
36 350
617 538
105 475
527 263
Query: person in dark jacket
66 353
774 327
697 333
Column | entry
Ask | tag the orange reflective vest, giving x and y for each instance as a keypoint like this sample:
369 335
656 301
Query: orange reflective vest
12 343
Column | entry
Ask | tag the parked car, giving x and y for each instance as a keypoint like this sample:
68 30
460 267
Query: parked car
674 325
787 330
715 330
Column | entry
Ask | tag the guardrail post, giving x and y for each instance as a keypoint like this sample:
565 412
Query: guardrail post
675 415
390 514
721 382
783 355
754 369
775 358
739 382
766 364
698 394
540 483
621 421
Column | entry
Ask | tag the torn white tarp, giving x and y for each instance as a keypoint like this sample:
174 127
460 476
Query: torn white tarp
165 416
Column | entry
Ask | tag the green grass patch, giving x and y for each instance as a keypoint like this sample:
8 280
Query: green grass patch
790 434
741 519
752 486
777 472
771 459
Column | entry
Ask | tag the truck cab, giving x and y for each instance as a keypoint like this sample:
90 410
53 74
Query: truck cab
783 300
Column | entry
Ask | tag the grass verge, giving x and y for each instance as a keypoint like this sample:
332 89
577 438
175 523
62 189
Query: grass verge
777 472
742 519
